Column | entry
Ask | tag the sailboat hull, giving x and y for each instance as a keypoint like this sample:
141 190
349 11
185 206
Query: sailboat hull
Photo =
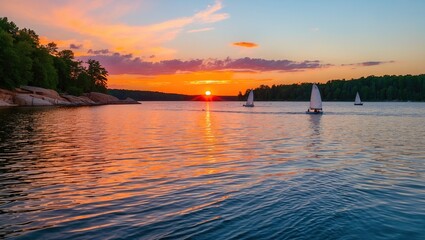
248 105
314 113
358 104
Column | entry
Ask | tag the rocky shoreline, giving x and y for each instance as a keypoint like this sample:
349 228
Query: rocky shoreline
36 96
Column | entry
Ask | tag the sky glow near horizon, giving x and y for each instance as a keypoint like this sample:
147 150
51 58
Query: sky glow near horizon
227 46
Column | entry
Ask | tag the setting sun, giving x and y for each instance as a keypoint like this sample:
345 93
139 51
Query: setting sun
208 93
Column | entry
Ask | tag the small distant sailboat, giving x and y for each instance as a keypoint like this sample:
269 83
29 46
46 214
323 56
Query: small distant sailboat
315 101
250 100
358 101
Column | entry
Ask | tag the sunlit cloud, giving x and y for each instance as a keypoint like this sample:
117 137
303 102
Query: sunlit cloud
208 82
66 43
210 15
200 30
245 44
77 46
117 63
100 21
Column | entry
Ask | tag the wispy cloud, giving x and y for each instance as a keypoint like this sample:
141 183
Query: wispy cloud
211 15
208 82
245 44
125 64
101 22
368 63
200 30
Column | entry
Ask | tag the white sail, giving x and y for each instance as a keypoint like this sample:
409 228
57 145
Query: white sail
357 101
250 100
315 99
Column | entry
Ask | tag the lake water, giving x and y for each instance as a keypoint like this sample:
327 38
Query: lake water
213 170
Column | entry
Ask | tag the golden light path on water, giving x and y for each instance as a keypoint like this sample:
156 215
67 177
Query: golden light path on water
209 169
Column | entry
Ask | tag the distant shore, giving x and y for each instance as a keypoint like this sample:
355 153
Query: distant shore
36 96
141 95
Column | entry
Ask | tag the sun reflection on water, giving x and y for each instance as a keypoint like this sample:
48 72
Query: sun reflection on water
188 167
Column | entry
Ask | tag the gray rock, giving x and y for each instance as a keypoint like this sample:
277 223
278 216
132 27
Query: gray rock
6 104
31 100
42 91
82 100
101 98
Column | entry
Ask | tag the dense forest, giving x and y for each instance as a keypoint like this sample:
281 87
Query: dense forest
372 88
148 95
24 61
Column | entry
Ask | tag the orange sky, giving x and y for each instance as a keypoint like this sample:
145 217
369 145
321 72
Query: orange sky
230 83
229 46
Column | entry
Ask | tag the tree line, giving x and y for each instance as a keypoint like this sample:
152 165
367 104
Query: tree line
24 61
148 95
371 88
160 96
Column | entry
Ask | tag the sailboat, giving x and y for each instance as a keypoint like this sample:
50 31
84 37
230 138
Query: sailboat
358 101
315 101
250 100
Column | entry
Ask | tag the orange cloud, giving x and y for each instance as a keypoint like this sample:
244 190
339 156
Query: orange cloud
209 82
100 22
66 44
245 44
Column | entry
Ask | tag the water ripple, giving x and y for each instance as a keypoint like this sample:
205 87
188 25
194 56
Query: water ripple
194 170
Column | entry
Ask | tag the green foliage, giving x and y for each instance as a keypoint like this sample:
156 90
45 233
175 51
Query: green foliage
8 27
148 95
372 88
45 74
98 73
76 91
64 73
8 58
84 82
24 61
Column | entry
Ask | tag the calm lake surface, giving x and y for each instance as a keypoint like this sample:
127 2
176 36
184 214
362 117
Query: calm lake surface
213 170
